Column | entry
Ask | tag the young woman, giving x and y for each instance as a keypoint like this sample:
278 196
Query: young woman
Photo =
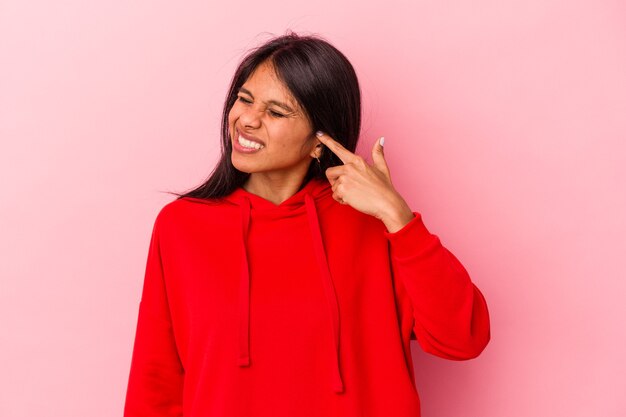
292 281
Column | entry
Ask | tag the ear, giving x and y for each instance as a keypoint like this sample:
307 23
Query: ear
317 151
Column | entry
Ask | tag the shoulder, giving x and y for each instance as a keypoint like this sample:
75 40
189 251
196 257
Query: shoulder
188 212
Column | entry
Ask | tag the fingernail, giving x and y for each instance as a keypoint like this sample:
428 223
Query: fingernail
382 141
319 133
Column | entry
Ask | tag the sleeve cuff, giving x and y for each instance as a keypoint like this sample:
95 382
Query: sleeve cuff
411 239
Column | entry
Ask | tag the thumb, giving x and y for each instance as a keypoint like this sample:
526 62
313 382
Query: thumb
378 157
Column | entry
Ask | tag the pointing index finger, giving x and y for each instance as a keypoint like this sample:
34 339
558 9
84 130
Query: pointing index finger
336 147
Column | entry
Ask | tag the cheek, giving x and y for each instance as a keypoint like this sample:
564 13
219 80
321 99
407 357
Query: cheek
281 137
288 143
234 113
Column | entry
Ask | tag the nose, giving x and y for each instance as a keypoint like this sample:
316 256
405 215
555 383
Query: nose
251 117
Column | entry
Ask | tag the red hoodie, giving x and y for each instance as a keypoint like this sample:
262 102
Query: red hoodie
305 308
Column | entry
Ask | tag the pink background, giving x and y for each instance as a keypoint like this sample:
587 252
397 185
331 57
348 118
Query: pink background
505 126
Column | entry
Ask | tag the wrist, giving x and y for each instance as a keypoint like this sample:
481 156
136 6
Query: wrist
397 216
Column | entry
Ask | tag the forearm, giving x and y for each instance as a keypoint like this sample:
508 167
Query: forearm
451 316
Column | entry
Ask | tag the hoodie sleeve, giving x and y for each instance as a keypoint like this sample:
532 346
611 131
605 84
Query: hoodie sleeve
450 314
156 372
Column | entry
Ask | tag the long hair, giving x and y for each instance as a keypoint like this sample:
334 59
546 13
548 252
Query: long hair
324 84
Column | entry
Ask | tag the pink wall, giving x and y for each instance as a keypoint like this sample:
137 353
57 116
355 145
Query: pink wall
505 125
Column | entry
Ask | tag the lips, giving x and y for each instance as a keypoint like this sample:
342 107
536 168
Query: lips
248 137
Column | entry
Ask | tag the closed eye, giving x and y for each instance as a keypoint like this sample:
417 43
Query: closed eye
272 112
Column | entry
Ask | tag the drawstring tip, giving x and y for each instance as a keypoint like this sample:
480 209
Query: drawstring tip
244 361
338 385
338 388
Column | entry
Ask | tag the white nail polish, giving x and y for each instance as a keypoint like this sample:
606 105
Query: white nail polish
382 141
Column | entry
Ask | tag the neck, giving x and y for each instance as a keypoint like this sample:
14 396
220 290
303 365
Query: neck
275 190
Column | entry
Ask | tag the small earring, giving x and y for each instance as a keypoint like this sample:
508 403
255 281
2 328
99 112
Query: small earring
318 161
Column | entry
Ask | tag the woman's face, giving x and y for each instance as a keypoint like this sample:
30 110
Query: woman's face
266 113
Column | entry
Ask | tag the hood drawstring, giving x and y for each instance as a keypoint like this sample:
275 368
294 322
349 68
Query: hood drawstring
327 282
331 296
244 290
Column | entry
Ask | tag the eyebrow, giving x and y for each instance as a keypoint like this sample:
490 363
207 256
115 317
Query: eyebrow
278 103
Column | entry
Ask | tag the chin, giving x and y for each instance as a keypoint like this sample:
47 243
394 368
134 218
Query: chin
242 167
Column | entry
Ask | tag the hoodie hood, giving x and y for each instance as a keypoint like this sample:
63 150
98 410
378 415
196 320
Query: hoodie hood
315 194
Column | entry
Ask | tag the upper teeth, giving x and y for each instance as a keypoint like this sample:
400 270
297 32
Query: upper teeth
249 144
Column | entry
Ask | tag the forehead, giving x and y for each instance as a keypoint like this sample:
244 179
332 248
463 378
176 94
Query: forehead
263 83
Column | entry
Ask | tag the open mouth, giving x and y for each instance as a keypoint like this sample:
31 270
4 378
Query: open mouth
248 143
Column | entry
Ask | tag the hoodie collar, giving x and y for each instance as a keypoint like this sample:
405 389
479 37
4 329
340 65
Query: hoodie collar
314 195
318 189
